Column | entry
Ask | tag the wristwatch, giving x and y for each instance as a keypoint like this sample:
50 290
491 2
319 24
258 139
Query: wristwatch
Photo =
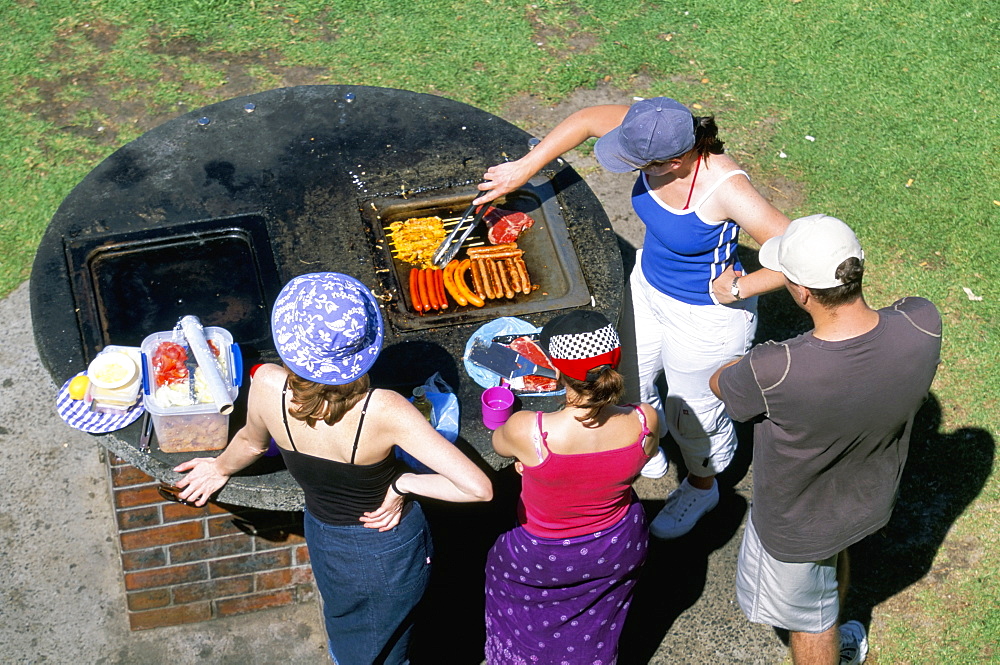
735 288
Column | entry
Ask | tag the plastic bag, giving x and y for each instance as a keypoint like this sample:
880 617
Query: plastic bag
445 417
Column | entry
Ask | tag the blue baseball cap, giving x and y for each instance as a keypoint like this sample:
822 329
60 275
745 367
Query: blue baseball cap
327 327
653 130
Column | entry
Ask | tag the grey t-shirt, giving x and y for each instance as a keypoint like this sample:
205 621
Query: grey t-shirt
830 448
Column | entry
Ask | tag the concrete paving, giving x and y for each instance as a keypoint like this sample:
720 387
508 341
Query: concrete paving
62 598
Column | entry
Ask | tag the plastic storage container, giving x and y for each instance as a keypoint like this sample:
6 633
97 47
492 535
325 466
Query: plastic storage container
193 427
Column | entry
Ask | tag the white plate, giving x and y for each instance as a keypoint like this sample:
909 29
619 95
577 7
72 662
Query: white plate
506 325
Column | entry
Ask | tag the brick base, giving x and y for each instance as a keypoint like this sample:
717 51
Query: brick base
184 564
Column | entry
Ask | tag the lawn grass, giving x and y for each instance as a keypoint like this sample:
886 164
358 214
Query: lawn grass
900 99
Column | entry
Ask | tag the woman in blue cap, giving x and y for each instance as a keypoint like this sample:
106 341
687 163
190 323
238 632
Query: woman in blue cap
695 307
370 550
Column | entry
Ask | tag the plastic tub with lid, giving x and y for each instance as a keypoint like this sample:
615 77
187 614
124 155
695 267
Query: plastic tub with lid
186 420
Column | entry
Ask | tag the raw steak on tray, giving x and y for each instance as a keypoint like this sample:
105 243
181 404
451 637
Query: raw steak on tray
530 350
506 225
532 383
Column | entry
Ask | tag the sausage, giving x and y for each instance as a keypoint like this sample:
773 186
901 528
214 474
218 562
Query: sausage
449 283
504 281
525 278
498 247
425 296
493 249
463 287
513 274
484 272
444 291
479 253
473 298
494 280
432 294
477 281
495 277
442 294
432 286
418 305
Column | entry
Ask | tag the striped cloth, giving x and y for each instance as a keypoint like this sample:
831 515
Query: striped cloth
77 413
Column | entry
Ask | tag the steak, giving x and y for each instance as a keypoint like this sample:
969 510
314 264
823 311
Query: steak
533 383
505 225
532 351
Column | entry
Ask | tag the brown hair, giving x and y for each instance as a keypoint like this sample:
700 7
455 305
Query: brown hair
314 402
604 386
850 272
706 137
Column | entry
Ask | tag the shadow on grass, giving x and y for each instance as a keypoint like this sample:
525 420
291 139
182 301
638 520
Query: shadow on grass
944 473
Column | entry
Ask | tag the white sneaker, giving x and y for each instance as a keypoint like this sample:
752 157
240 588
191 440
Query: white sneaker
684 507
853 643
657 465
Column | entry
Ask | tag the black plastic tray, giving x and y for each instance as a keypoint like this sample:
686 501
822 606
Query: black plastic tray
548 253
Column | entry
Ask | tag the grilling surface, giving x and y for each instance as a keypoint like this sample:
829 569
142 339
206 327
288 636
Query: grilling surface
549 255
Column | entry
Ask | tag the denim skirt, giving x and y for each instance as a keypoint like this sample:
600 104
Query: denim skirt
370 582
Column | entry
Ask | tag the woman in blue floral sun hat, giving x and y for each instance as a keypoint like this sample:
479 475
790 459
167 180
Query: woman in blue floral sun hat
370 547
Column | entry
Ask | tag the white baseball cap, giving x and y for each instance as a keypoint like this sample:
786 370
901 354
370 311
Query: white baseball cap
811 250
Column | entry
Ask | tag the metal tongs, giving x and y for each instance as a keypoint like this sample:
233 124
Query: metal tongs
449 247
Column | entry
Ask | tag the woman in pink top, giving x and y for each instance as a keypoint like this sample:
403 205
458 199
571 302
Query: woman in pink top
558 586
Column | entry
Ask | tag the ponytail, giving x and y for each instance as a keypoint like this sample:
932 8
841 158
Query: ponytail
605 386
706 137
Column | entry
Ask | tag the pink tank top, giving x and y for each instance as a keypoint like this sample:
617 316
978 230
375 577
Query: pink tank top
574 495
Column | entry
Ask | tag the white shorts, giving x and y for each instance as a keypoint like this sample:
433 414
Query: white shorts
800 597
686 344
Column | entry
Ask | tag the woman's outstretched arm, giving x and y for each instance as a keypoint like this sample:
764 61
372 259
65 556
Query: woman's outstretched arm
590 122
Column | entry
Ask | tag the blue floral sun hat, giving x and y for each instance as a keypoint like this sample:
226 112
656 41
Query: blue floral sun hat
327 327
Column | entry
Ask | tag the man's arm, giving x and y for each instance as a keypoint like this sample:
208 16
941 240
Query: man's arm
736 384
713 382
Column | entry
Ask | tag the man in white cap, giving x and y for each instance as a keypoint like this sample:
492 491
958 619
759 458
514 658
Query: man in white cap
834 410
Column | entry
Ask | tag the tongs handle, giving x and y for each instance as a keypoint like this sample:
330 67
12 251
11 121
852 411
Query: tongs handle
447 250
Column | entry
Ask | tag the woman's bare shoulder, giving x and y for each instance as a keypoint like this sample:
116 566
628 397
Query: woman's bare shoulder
720 165
269 376
521 421
513 439
647 410
388 399
393 411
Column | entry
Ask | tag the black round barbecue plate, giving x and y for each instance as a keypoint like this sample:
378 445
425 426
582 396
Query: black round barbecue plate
296 169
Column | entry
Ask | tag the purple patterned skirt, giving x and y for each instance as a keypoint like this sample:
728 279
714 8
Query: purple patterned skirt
562 601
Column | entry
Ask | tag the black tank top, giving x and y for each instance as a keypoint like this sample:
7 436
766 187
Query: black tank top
338 493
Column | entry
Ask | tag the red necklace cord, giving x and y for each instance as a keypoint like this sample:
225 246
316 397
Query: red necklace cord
693 180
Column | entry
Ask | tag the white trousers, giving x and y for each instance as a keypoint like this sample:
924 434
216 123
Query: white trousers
686 344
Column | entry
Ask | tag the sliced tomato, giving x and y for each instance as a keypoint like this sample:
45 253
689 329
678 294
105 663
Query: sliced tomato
168 363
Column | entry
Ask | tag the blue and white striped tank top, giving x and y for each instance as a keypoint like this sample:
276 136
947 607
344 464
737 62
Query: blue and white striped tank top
682 253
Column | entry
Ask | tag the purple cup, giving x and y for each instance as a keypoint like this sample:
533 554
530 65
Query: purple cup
498 404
